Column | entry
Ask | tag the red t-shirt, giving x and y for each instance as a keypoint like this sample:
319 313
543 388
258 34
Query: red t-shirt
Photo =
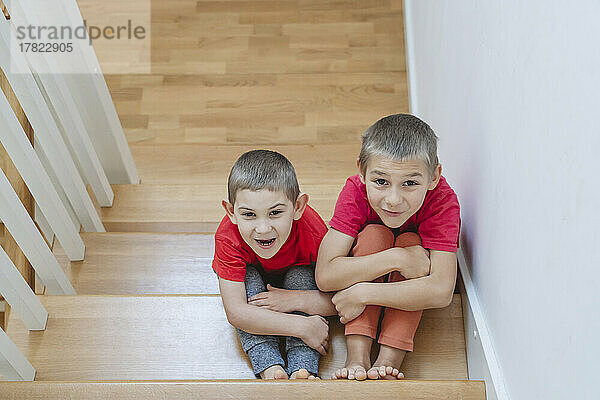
232 254
437 221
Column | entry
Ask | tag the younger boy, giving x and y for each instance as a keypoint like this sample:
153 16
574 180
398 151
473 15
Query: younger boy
391 246
270 236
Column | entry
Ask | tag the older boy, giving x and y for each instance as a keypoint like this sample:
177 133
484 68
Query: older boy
270 236
391 245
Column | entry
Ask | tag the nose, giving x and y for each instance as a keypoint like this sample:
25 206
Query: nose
262 226
394 198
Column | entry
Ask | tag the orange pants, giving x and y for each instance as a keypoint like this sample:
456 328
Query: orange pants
398 327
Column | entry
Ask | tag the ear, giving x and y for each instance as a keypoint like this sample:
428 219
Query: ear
229 210
437 173
360 174
300 205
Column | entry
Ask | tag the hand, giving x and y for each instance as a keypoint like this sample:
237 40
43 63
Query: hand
275 299
418 264
347 303
316 333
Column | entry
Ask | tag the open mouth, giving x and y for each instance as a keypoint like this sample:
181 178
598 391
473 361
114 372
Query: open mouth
265 243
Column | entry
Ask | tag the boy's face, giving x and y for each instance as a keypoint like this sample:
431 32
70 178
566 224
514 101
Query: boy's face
396 189
264 218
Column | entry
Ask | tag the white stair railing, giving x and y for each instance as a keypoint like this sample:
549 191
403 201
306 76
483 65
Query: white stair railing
47 135
13 364
59 99
19 296
30 240
35 176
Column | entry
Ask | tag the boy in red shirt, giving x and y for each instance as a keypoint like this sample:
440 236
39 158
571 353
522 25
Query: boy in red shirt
391 246
265 250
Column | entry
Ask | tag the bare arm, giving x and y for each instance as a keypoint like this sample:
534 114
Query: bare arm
312 302
313 330
432 291
336 271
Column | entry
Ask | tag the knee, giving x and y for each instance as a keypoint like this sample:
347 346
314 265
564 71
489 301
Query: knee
408 239
300 278
254 282
373 239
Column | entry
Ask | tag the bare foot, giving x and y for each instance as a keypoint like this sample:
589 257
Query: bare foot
274 372
351 371
303 374
387 363
358 358
384 372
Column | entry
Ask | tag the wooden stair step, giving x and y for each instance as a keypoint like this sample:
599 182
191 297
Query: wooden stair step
142 263
210 165
108 338
236 389
189 207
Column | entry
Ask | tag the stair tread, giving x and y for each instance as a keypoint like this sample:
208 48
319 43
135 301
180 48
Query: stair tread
187 207
134 390
210 165
142 263
90 338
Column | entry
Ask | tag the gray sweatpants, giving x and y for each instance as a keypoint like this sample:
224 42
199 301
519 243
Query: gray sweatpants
262 350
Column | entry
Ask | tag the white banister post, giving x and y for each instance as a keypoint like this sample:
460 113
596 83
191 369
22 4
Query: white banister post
13 364
30 240
19 295
47 134
33 173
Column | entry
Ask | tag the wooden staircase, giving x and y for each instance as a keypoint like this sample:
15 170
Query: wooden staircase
303 77
148 321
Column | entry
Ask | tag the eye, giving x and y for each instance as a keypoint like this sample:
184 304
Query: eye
248 214
276 212
380 182
410 183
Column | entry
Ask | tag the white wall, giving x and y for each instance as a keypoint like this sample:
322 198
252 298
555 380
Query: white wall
512 89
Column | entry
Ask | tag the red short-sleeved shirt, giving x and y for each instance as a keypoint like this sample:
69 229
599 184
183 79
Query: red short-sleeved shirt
232 254
437 221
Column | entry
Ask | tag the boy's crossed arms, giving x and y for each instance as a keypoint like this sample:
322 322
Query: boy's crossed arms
268 313
430 277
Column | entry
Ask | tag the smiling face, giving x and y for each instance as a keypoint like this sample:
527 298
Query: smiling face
264 218
396 189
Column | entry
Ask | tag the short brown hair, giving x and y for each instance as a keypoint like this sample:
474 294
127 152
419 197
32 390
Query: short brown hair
263 169
399 137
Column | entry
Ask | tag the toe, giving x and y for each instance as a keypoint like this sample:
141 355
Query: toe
344 373
280 375
400 375
302 374
373 373
395 372
360 374
382 372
